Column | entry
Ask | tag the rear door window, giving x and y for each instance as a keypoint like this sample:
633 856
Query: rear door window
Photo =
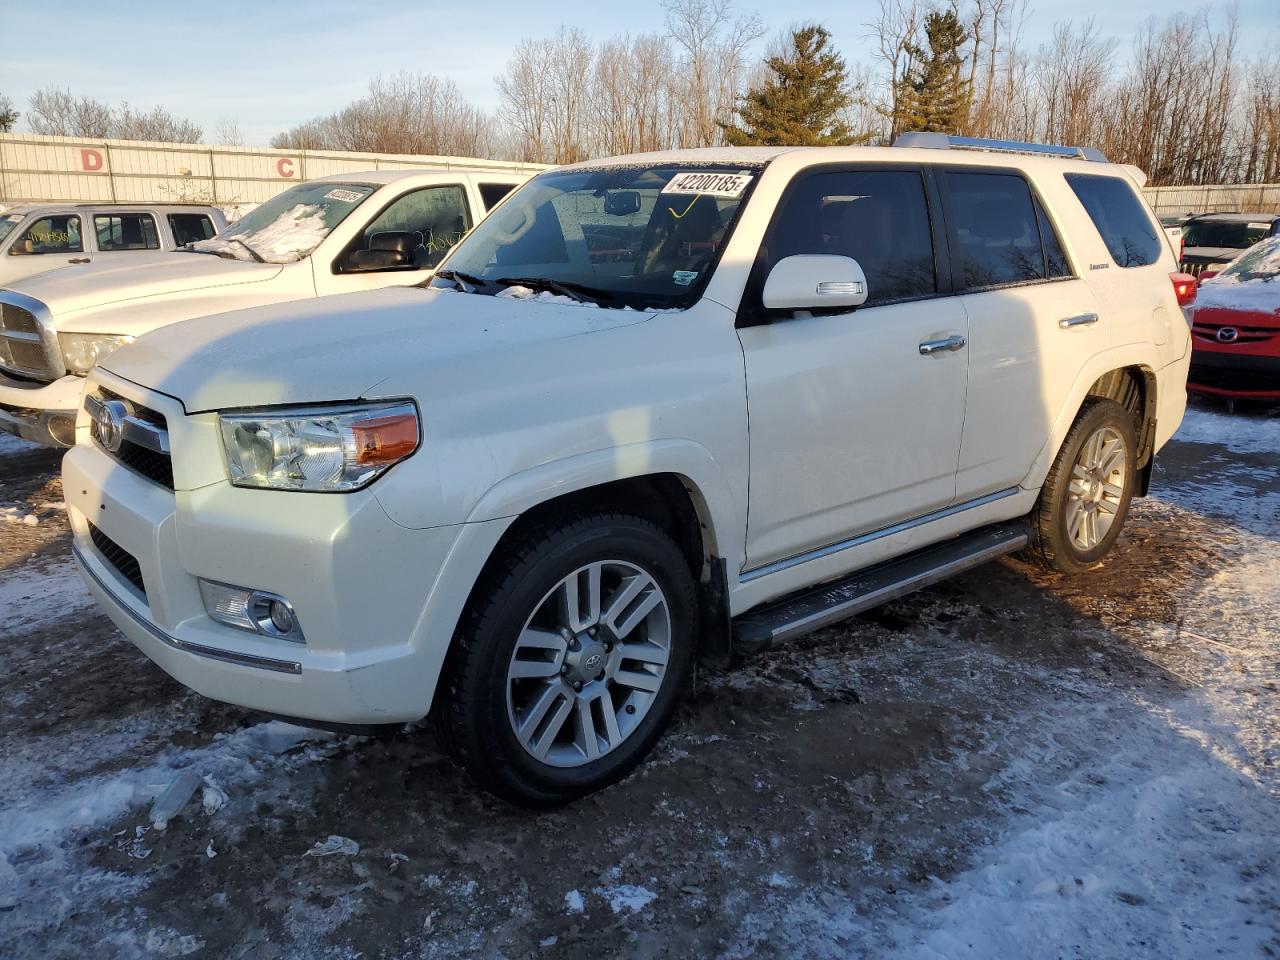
1122 219
190 227
878 217
996 231
59 233
491 193
126 231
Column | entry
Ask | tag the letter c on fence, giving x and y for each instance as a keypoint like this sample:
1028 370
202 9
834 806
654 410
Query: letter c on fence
90 160
284 167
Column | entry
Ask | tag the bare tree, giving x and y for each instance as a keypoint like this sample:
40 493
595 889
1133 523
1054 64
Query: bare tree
1259 132
713 48
1071 83
894 33
227 132
525 91
59 112
156 124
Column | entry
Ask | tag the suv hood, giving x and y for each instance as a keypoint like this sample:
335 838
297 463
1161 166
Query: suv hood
94 285
340 347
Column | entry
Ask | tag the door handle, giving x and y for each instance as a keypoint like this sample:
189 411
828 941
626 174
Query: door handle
78 260
1079 320
947 344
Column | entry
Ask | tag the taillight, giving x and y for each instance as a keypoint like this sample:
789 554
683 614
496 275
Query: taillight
1184 287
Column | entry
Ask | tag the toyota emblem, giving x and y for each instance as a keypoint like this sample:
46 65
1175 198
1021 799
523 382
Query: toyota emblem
110 420
1228 334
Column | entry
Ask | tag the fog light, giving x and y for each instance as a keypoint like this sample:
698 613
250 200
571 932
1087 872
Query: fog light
257 611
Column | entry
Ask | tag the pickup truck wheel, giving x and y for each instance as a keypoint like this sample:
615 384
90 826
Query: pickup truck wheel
1086 496
572 659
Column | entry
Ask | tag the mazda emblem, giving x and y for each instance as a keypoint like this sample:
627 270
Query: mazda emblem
1228 334
110 420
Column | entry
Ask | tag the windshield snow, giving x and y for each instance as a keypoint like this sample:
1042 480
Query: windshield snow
289 226
646 237
1259 264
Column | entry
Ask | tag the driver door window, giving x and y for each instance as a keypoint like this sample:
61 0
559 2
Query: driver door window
439 216
55 234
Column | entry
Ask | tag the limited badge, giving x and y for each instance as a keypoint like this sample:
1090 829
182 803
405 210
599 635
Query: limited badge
684 277
730 186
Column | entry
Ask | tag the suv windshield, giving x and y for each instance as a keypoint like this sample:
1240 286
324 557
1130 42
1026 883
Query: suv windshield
8 223
1259 263
1224 233
628 236
288 226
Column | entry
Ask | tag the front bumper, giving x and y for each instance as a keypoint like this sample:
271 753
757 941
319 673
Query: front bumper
377 602
41 412
1229 374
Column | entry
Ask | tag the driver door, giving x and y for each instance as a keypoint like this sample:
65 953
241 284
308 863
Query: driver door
436 216
855 417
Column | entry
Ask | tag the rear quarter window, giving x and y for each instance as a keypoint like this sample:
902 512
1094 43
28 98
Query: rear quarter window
1121 217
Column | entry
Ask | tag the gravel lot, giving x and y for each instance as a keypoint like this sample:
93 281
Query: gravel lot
1012 764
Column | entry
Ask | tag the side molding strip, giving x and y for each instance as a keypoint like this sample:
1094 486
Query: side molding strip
787 563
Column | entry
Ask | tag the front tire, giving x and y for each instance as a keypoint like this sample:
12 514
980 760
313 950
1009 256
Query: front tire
1085 498
571 659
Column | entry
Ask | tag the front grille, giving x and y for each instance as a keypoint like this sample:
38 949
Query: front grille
121 559
152 464
21 344
1209 333
1197 267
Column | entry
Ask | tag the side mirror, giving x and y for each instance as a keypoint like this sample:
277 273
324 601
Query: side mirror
622 203
387 251
815 282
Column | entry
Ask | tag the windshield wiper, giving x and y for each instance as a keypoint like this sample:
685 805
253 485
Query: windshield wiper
459 278
565 288
252 252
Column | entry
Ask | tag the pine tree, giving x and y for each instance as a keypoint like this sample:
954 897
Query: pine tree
933 94
8 115
800 100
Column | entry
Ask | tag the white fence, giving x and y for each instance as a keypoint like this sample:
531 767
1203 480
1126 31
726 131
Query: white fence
1222 198
36 168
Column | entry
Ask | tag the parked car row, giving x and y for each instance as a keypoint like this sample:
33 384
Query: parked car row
649 409
332 235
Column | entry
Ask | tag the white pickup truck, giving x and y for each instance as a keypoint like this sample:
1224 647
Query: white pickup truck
44 237
652 406
332 235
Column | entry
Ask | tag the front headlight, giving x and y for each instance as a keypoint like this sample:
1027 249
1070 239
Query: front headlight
81 352
322 449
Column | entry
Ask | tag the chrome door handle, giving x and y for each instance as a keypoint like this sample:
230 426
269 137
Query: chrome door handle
1079 320
949 344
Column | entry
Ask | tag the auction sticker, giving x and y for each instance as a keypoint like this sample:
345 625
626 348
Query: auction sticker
345 196
730 186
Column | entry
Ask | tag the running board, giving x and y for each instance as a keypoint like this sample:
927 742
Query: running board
829 603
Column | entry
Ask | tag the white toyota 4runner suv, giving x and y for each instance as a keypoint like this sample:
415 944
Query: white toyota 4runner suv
332 235
652 407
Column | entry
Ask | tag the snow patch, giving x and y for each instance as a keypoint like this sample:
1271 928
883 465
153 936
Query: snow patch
35 596
627 897
1239 434
286 239
573 902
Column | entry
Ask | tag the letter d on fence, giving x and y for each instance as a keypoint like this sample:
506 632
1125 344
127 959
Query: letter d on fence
90 160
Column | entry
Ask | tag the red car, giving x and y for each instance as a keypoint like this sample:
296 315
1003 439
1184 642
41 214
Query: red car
1235 327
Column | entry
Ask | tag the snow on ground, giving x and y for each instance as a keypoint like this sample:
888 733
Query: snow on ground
1011 765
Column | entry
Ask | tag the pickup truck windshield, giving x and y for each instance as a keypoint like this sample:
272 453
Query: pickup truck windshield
288 226
8 223
646 237
1224 233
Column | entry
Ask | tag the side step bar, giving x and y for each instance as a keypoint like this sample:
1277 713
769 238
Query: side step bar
829 603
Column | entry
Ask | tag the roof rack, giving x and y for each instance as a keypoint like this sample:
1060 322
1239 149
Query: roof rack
943 141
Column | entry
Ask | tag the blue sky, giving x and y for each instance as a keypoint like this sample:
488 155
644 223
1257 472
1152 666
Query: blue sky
272 65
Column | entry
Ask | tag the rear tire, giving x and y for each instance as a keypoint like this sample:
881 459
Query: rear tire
571 659
1085 498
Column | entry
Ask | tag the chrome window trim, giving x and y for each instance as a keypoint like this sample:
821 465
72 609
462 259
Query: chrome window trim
839 546
199 649
54 368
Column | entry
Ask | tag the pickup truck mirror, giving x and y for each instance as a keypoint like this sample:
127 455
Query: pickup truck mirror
387 251
622 203
815 282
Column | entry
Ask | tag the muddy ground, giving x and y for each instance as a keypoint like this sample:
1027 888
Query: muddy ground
1012 764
